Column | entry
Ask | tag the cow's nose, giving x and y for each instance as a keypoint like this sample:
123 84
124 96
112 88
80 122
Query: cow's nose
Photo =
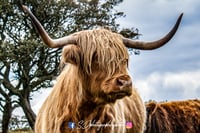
124 82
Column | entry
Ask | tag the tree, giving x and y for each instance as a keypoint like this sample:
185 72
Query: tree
26 65
6 108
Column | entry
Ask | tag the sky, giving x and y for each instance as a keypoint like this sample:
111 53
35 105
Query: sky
171 72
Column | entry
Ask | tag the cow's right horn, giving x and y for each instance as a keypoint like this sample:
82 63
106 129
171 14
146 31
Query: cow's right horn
53 43
155 44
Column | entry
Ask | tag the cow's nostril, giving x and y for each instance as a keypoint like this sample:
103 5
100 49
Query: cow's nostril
120 82
123 82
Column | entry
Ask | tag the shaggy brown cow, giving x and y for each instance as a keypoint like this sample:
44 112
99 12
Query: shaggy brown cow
94 92
173 117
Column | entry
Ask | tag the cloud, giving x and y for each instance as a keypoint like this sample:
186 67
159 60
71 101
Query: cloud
169 86
155 17
39 99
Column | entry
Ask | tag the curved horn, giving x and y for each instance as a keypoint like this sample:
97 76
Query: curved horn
53 43
155 44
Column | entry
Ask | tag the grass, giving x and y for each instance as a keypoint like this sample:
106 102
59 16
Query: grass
22 131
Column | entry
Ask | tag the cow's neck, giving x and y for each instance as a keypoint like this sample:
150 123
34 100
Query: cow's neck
93 112
91 109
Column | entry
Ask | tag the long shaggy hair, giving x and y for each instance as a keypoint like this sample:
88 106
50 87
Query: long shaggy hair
101 54
102 45
173 117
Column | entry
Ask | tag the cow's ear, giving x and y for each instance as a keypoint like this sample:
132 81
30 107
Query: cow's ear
71 54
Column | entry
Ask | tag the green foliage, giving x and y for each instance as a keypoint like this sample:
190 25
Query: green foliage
26 65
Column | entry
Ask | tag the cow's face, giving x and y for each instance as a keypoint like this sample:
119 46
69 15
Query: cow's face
109 88
102 63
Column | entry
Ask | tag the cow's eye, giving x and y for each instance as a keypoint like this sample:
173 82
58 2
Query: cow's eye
125 62
94 57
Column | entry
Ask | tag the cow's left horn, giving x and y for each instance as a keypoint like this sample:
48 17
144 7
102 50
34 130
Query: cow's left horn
53 43
155 44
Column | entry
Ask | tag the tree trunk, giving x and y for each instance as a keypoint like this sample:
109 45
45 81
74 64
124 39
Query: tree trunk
6 116
30 115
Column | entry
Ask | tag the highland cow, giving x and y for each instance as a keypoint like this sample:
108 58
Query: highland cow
173 117
94 92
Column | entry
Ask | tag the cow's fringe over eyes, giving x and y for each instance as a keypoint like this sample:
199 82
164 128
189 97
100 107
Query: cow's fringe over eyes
112 52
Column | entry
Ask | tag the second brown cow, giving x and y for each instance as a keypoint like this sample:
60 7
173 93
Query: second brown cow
173 117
